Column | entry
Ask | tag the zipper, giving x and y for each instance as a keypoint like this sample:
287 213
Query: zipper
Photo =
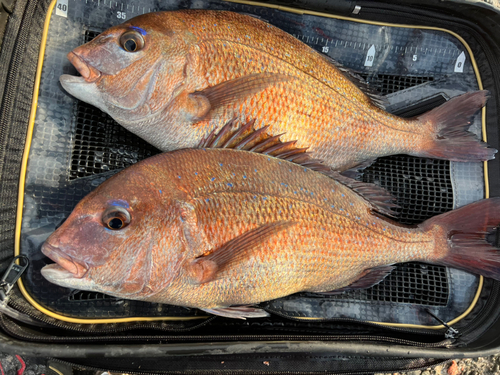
370 324
11 82
210 338
9 279
214 338
54 324
232 371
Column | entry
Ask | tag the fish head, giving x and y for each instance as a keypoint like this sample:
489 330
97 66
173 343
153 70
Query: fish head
122 239
131 71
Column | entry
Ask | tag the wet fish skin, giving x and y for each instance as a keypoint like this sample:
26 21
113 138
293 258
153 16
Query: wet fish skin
198 69
299 231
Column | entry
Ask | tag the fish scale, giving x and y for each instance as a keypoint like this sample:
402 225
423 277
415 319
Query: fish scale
238 210
307 112
212 228
212 66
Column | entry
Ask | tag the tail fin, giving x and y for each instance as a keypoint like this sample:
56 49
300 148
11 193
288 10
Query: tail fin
450 122
466 229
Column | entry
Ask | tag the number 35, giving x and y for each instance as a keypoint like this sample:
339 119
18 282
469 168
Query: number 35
121 15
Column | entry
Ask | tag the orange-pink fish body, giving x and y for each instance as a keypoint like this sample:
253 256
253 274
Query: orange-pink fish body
192 70
215 228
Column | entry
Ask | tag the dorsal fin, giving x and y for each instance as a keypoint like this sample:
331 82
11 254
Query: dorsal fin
375 97
246 138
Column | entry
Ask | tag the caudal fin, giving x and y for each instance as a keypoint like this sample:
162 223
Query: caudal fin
466 229
450 139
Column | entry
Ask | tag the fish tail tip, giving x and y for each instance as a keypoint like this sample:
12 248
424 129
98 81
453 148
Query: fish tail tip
449 137
468 244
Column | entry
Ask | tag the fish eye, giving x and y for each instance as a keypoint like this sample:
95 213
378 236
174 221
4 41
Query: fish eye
132 41
115 218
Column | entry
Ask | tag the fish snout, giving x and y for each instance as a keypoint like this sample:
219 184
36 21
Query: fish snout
88 72
65 261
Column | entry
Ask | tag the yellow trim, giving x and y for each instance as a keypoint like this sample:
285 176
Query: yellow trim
20 204
52 368
278 7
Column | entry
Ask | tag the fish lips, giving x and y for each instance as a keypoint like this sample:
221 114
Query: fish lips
64 261
88 72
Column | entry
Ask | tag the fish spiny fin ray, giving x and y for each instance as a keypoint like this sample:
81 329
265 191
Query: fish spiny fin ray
239 89
380 199
246 138
207 267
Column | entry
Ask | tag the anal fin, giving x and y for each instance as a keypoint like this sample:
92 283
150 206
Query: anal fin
369 278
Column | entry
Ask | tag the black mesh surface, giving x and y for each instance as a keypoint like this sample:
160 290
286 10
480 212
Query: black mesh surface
390 83
83 295
415 283
423 187
101 144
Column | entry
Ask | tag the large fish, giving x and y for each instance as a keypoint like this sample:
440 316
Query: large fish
214 228
170 77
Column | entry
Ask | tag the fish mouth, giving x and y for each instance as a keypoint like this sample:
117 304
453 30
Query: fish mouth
62 277
88 72
64 261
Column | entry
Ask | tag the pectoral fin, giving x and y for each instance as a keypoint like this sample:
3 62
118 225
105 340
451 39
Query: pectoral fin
207 267
235 91
238 312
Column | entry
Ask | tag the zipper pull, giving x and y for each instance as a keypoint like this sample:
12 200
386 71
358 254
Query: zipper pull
13 273
7 282
451 333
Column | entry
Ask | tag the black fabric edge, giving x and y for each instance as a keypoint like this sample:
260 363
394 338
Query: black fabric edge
20 55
